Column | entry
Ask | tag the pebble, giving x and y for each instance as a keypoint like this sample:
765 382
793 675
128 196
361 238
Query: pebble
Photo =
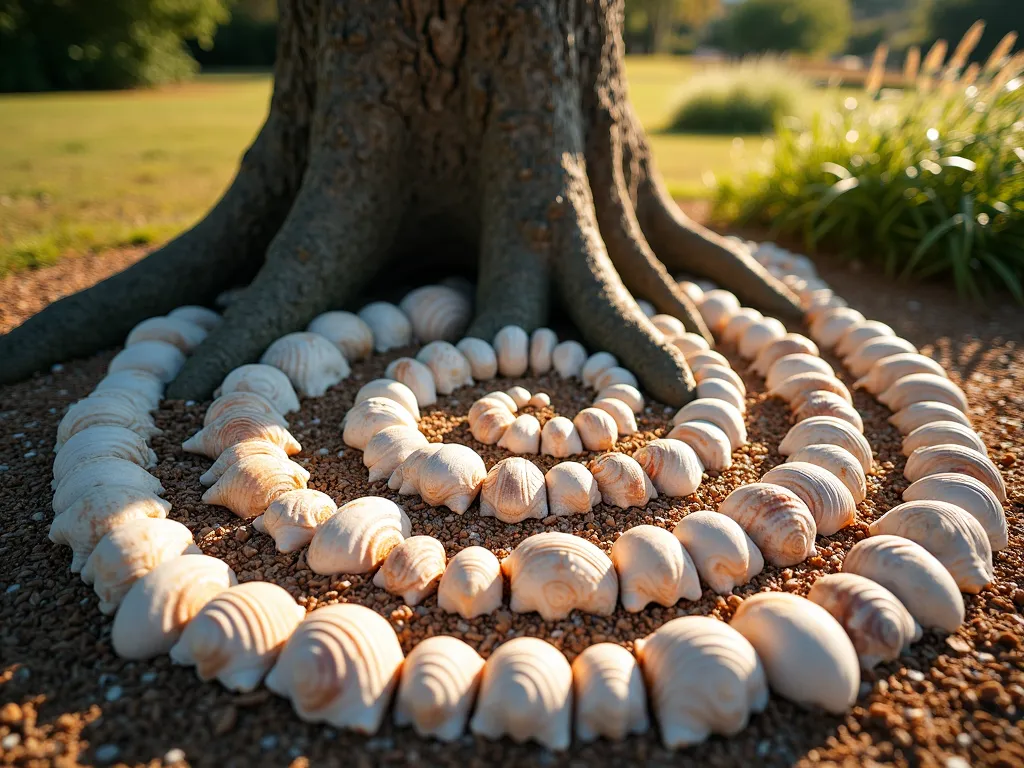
173 756
10 741
114 693
268 742
107 753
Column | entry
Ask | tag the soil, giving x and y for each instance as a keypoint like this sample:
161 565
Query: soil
66 699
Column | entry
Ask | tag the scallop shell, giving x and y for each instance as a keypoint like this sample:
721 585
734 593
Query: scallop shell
568 358
596 364
359 537
130 551
101 442
609 692
790 344
889 370
181 333
439 682
672 466
708 441
483 363
830 502
370 416
857 334
724 555
806 653
264 380
522 436
717 307
346 331
596 428
416 376
794 389
387 449
512 346
471 585
559 438
405 479
776 519
450 368
719 413
862 359
489 423
758 335
823 403
293 517
412 569
513 491
968 494
743 318
390 390
827 430
238 451
526 694
555 573
718 389
571 489
923 387
96 472
918 414
653 566
340 666
311 362
437 313
539 400
829 327
938 459
159 358
625 422
390 326
721 372
542 345
215 438
520 396
792 365
158 605
142 388
689 343
242 402
840 462
943 433
698 360
451 477
622 481
913 574
628 394
201 316
252 483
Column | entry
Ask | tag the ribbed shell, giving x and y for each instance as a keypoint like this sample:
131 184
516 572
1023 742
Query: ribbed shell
861 360
311 362
840 462
723 373
970 495
239 451
251 484
542 345
472 584
697 360
827 430
776 519
758 335
794 389
293 517
571 489
717 307
405 479
522 435
512 346
389 389
242 402
622 481
738 323
483 363
830 502
416 376
201 316
919 414
451 477
625 422
609 692
822 403
828 327
369 417
140 387
559 438
943 433
359 537
672 466
938 459
387 449
719 413
792 365
450 367
346 331
182 333
103 471
923 387
159 358
719 389
488 401
412 569
212 440
724 555
101 443
595 365
104 410
653 566
437 313
390 326
568 358
628 394
439 683
264 380
859 333
889 370
490 420
609 377
790 344
597 429
513 491
708 441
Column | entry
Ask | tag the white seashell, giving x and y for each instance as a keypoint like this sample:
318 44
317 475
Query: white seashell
390 326
791 365
471 585
98 443
918 414
158 605
776 519
340 666
698 360
889 370
938 459
790 344
369 417
238 451
96 472
513 491
646 307
724 555
559 438
609 694
142 388
758 335
622 481
717 307
416 376
857 334
439 682
914 575
703 677
502 397
520 396
794 389
609 377
264 380
672 466
720 413
390 390
215 438
806 653
542 345
489 420
412 569
201 316
293 517
668 325
596 428
512 346
827 430
830 502
739 322
450 368
829 327
130 551
405 479
596 364
568 358
311 363
625 422
526 694
359 537
820 402
437 313
346 331
721 372
922 388
387 449
540 400
968 494
952 535
708 441
522 436
719 389
840 462
689 343
653 566
252 483
628 394
555 573
861 360
483 363
159 358
571 489
820 307
243 402
943 433
181 333
451 477
694 291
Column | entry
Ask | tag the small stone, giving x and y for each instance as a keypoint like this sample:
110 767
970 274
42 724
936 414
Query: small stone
957 762
13 588
10 741
10 714
173 756
114 693
323 452
56 368
268 742
107 753
148 677
958 644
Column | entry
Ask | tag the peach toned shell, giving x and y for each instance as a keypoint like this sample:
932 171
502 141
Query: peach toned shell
483 363
708 441
827 430
293 517
862 359
806 653
539 400
719 413
239 451
157 607
437 313
103 471
525 694
542 345
790 344
389 389
251 484
819 306
943 433
938 459
489 420
691 289
485 403
719 389
159 358
212 440
101 442
568 359
688 343
794 364
721 372
653 566
471 585
439 683
672 466
340 666
311 363
859 333
346 331
823 403
776 519
104 410
622 481
914 575
738 323
240 402
628 394
717 307
970 495
412 569
142 388
571 488
513 491
840 462
416 376
609 377
668 325
405 478
450 367
724 555
520 395
923 387
609 693
758 335
390 326
358 537
596 428
830 502
264 380
512 346
366 419
559 438
889 370
522 435
625 422
182 333
828 327
387 449
451 477
698 360
918 414
201 316
703 677
596 364
129 552
555 573
794 389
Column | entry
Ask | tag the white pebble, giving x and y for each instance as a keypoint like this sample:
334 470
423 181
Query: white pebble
175 755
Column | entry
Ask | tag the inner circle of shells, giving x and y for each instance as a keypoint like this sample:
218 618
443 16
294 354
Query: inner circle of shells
693 676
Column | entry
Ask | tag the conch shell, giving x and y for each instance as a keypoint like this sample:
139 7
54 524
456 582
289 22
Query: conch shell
512 346
103 471
725 374
628 394
471 585
559 438
625 422
390 326
758 335
522 435
862 359
840 462
437 313
827 430
264 380
923 387
918 414
723 553
830 326
346 331
596 364
252 483
359 537
387 449
823 403
622 481
215 438
830 502
889 370
572 489
182 333
439 682
970 495
597 429
776 519
938 459
416 376
310 362
390 390
568 359
740 320
790 344
943 433
724 416
542 345
708 441
513 491
101 442
142 388
412 569
450 368
609 377
792 365
451 477
672 466
235 403
238 451
653 566
717 307
293 517
159 358
609 693
202 316
483 362
370 416
857 334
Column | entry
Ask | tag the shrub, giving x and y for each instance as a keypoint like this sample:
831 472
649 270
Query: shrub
802 26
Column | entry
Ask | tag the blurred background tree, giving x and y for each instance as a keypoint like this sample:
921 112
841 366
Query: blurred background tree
783 26
947 20
247 40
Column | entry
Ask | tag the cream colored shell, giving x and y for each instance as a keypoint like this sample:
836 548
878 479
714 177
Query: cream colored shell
609 693
723 373
823 403
889 370
943 433
708 441
970 495
483 363
238 451
521 396
918 414
416 376
840 462
794 364
512 346
101 442
859 333
471 585
182 333
201 316
625 422
827 430
595 365
830 502
451 477
597 429
264 380
252 483
622 481
366 419
235 403
672 466
489 420
738 323
387 449
724 555
522 436
630 395
159 358
437 313
830 326
513 491
923 387
688 343
668 325
719 413
542 345
488 401
653 566
212 440
790 344
539 400
346 331
293 517
568 358
717 307
359 537
103 471
758 335
571 488
861 360
440 679
450 368
939 459
776 519
142 388
697 360
719 389
390 390
412 569
796 388
311 363
390 326
691 289
405 479
609 377
559 438
104 410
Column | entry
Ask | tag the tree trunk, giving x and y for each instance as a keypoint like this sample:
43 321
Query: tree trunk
398 127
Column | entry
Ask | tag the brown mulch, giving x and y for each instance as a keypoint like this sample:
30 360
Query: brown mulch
66 699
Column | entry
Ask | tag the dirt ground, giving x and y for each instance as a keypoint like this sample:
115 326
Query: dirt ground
66 699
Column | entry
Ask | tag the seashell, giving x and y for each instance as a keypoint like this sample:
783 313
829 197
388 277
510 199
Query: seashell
724 555
502 397
439 682
921 388
703 677
142 388
937 459
625 423
249 486
596 364
829 327
568 358
158 605
489 424
540 400
201 316
520 396
346 331
758 335
889 370
522 436
471 585
359 537
794 389
806 653
609 692
97 512
861 360
970 495
390 390
559 438
694 291
483 363
264 380
720 413
917 415
776 519
231 456
130 551
340 666
387 449
542 345
857 334
390 326
311 363
98 443
571 489
293 517
719 389
653 566
554 573
689 343
721 372
513 491
668 325
596 428
437 313
512 346
181 333
405 478
450 368
952 535
486 403
708 441
526 694
612 376
822 403
243 402
943 433
215 438
830 502
416 376
791 365
369 417
622 481
698 360
740 320
646 307
717 307
827 430
159 358
412 569
628 394
914 575
822 305
672 466
96 472
878 624
790 344
840 462
451 477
